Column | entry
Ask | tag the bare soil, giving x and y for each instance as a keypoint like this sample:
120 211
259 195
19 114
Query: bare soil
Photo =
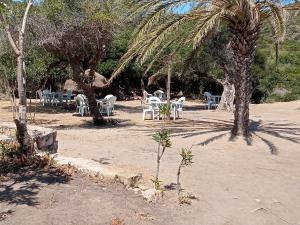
42 197
236 182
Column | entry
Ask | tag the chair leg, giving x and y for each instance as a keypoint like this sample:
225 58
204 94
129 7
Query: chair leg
143 115
153 115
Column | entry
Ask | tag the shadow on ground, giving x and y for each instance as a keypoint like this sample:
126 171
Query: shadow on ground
218 129
23 187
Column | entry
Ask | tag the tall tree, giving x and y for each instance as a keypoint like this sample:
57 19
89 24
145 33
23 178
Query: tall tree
78 32
18 47
164 23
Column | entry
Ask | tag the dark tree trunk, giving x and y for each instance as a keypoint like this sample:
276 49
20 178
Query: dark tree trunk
244 35
88 90
242 101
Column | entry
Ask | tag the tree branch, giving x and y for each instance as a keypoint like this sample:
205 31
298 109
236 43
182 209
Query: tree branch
9 36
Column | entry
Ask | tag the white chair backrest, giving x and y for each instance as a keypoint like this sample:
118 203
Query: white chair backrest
109 100
154 102
112 100
160 94
81 100
40 94
46 92
146 95
179 104
208 96
108 97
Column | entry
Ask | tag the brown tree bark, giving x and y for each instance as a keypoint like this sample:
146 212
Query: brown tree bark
243 44
88 90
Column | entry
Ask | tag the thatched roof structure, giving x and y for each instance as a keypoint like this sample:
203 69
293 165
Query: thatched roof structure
99 82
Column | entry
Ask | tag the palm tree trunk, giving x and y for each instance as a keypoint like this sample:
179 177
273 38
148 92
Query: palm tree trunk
241 114
243 45
88 90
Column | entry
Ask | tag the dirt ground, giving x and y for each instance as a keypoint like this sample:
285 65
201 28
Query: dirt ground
38 197
236 182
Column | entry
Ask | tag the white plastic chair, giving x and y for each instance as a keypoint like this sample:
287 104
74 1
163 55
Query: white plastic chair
40 95
108 105
155 102
211 100
108 96
178 108
68 96
82 105
159 94
147 108
47 97
58 98
146 96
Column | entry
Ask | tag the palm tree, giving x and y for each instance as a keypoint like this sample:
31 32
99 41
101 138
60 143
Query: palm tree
164 25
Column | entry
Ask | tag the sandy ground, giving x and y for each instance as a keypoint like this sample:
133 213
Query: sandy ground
37 197
236 182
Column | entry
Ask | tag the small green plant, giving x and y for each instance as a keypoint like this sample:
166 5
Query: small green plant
162 137
186 160
165 111
185 198
157 184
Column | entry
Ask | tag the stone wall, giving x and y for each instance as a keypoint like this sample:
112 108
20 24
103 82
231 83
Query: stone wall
44 138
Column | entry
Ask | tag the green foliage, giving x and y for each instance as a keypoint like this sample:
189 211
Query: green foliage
165 110
157 184
187 157
163 138
186 160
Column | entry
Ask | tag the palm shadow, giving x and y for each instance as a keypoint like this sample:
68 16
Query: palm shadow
22 187
285 131
217 129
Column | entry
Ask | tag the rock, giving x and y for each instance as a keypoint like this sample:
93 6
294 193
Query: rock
152 195
44 138
47 142
142 187
130 180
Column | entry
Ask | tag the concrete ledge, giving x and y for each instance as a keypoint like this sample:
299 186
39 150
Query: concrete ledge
129 179
44 138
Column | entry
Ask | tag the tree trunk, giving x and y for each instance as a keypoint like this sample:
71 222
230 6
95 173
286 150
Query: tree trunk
22 135
227 99
169 90
21 120
244 35
88 90
241 114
